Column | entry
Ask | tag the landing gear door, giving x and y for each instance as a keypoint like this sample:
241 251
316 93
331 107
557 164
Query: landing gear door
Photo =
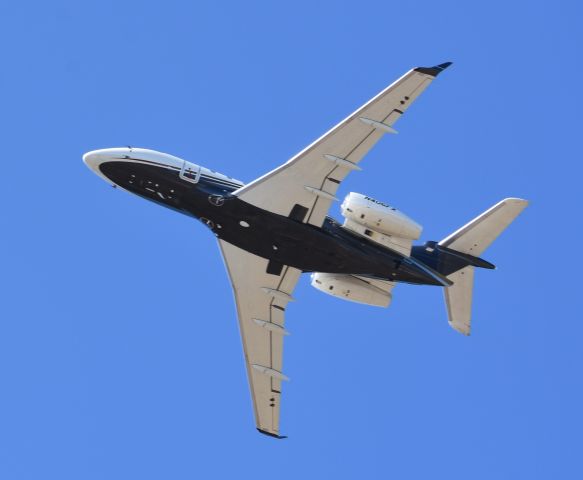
190 172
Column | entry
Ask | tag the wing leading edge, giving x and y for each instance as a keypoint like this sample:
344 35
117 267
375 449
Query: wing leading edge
308 181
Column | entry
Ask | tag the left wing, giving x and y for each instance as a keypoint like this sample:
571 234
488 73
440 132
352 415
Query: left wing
261 299
304 187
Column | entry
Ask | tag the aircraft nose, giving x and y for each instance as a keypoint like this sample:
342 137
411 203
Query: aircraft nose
93 159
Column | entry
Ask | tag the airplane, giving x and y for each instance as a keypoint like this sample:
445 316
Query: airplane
275 228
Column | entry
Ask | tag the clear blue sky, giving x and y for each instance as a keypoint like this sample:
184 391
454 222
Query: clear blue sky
119 349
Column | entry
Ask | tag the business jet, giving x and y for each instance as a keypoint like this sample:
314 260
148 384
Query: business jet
275 228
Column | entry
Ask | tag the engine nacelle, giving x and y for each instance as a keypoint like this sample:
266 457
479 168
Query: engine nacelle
380 222
354 289
379 216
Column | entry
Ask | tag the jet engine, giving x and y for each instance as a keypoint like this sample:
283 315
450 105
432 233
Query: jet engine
379 222
355 289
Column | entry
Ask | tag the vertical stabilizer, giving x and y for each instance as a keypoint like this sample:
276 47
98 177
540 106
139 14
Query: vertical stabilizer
472 239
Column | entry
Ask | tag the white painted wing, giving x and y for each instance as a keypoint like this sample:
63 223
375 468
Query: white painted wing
310 179
261 300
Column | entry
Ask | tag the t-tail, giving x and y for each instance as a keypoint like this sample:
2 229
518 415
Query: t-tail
467 244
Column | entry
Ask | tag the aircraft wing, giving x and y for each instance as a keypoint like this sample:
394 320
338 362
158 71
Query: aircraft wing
304 187
261 300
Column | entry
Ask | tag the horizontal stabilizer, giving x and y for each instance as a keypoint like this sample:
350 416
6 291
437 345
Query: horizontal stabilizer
458 299
472 239
477 235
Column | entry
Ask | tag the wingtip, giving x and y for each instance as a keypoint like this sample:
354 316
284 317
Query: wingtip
269 434
519 201
443 66
435 70
463 329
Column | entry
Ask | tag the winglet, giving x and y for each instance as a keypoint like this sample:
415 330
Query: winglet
269 434
433 71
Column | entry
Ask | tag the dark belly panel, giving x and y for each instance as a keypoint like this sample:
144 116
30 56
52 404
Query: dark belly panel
328 249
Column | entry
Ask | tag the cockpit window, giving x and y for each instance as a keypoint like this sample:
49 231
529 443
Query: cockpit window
190 172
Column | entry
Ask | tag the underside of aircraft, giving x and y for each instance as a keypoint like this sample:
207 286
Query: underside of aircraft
275 228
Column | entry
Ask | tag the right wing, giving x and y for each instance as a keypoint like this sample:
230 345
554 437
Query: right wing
261 298
304 187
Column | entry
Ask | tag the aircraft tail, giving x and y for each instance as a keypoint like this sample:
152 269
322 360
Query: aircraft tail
472 239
